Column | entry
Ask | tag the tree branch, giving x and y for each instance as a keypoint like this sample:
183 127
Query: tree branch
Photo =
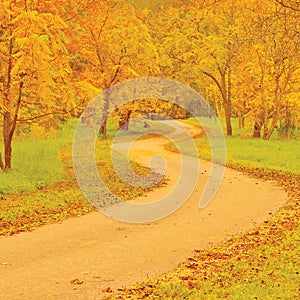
81 10
14 122
49 114
122 56
289 6
216 81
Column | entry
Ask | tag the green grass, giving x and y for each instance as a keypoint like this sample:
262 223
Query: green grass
42 189
36 163
278 155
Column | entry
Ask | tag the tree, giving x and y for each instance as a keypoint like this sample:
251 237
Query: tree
199 43
221 38
33 67
116 46
272 65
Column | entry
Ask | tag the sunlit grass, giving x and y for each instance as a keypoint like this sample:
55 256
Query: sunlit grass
36 162
279 155
42 189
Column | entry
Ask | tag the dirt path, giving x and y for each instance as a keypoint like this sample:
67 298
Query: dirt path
103 253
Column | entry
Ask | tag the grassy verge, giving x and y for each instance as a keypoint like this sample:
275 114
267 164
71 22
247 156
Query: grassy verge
261 264
36 164
277 155
42 188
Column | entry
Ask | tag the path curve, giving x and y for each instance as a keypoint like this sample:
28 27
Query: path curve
98 252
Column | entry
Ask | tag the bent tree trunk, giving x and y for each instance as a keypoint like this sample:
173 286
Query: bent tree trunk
270 130
224 87
124 123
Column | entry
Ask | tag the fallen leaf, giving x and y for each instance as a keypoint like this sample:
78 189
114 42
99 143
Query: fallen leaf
107 290
76 281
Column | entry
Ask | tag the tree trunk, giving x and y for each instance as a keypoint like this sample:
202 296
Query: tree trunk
227 109
8 151
103 128
7 138
225 90
7 141
9 127
269 133
1 162
257 130
124 123
8 131
265 129
241 122
227 103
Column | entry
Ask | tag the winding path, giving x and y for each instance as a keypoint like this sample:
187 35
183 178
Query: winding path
96 252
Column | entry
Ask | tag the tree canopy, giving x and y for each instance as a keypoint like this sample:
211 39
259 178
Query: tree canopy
55 56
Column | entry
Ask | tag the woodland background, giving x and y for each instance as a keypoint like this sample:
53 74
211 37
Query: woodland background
55 56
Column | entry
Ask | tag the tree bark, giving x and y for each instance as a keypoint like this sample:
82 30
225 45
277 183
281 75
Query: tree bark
103 128
124 123
9 127
7 118
269 133
1 162
227 110
8 152
7 137
257 130
225 90
241 122
227 103
7 140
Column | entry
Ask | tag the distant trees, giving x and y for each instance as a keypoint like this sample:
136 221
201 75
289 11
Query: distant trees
271 66
115 45
243 56
245 50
